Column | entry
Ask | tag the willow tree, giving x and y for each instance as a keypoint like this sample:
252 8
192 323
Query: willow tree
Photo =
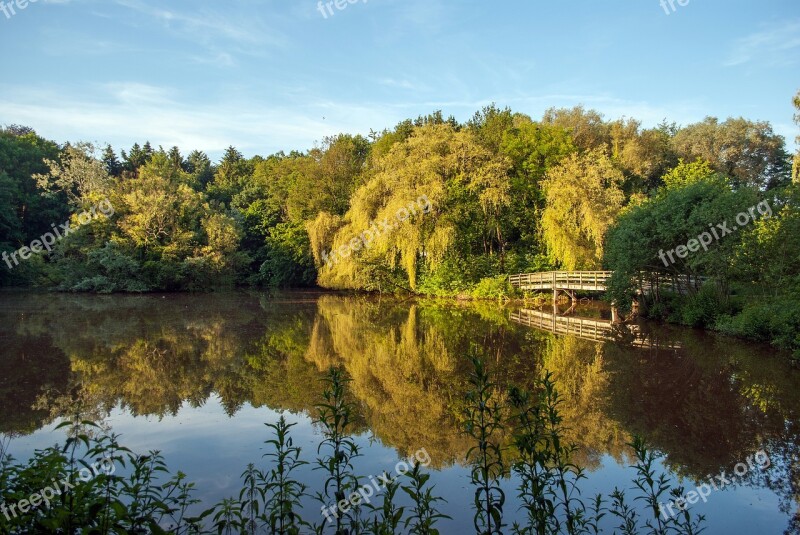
583 198
407 215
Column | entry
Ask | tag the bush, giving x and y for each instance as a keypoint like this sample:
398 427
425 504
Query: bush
105 270
446 280
776 322
493 288
703 308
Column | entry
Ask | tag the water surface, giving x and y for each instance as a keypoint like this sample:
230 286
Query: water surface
197 376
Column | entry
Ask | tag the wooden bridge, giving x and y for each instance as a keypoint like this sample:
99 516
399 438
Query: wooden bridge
568 282
571 282
598 330
586 281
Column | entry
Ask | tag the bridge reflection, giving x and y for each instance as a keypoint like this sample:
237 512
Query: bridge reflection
596 329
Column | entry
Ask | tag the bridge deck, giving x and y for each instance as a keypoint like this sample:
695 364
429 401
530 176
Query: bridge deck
582 281
597 281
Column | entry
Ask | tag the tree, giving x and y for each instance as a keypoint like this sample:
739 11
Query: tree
159 213
230 176
686 174
583 198
148 151
768 256
332 172
466 188
587 128
490 125
747 151
288 260
77 174
642 155
646 237
198 165
533 149
175 158
796 164
136 158
112 164
24 212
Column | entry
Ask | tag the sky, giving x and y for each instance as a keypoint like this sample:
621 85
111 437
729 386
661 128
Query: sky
270 75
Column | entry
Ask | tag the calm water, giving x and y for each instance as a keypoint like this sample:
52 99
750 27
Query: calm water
196 377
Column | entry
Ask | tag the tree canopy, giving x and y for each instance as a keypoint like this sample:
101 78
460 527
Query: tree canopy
431 206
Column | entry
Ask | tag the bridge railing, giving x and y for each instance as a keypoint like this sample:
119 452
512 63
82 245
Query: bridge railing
598 280
561 279
591 329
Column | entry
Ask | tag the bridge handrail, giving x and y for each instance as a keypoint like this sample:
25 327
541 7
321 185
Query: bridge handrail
594 277
579 277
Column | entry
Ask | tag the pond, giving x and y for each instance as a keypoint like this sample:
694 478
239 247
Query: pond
197 377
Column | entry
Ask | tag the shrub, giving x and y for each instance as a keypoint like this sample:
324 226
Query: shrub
776 322
493 288
703 308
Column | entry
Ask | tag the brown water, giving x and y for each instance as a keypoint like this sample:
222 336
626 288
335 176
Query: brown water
195 376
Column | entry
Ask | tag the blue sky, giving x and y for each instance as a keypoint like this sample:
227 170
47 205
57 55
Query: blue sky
268 75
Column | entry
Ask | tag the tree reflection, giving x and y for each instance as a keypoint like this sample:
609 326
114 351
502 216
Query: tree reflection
708 403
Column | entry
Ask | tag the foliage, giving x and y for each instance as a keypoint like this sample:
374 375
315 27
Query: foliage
483 420
493 288
641 240
796 161
776 322
335 415
288 261
423 515
506 193
686 174
584 196
747 151
446 168
282 493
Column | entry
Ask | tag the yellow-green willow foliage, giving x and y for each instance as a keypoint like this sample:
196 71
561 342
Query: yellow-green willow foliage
578 367
584 197
407 214
404 372
321 231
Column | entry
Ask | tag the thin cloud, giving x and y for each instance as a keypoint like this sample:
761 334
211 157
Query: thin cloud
124 113
401 84
775 46
205 25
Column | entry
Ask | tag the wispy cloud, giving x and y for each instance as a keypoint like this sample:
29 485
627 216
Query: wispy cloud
127 112
400 84
122 113
774 46
225 34
195 22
